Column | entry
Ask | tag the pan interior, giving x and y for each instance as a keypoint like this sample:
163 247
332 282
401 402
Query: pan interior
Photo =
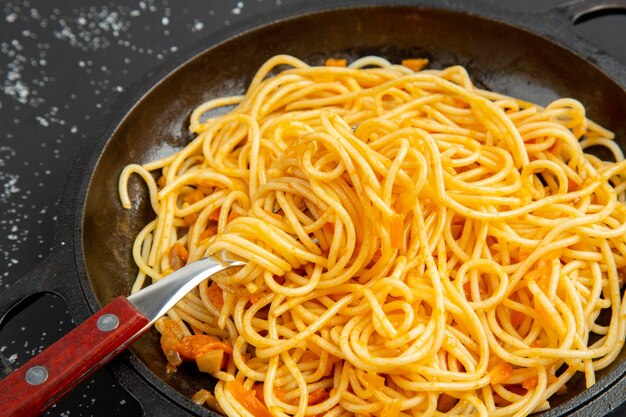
498 57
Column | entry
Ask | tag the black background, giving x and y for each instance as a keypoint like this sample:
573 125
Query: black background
61 65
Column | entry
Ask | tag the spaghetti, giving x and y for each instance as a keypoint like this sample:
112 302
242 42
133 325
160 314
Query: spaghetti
415 245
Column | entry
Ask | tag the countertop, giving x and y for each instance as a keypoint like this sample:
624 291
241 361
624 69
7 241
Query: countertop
61 65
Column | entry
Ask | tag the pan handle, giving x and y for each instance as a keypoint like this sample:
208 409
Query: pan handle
576 10
36 385
34 282
38 280
557 22
46 278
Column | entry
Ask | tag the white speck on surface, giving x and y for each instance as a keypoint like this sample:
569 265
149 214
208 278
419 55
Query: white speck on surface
42 121
197 26
9 182
11 17
93 29
12 358
237 10
165 21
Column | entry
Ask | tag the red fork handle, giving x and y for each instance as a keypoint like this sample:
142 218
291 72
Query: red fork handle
38 384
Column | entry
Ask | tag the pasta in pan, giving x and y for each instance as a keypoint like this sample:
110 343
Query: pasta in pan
414 245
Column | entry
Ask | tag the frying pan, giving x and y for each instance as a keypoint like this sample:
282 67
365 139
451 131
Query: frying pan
516 54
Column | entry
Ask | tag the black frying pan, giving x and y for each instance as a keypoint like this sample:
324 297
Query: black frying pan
91 262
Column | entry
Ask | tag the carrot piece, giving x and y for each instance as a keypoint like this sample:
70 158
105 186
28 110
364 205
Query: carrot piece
216 296
318 396
460 103
332 62
530 383
397 232
517 318
467 289
193 196
205 190
196 345
216 214
278 391
206 186
329 227
258 391
500 373
190 219
161 182
247 399
171 335
231 216
281 393
178 256
322 78
556 148
416 64
181 251
207 233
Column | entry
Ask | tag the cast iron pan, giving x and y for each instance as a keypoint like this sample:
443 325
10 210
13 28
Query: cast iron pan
520 55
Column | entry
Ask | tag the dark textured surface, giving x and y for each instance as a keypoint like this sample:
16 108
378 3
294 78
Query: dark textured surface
63 66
